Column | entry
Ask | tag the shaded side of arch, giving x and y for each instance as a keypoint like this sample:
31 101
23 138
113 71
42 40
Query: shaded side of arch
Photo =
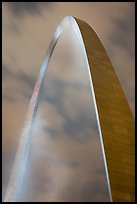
115 118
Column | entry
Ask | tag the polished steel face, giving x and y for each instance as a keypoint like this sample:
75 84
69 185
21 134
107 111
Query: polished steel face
114 118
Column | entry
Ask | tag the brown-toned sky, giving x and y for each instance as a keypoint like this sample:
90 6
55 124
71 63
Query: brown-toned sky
66 162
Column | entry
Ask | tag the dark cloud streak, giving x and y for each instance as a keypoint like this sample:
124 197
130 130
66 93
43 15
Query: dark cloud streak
21 77
21 8
123 31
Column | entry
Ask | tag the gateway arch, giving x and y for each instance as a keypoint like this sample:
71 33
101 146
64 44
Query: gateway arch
115 121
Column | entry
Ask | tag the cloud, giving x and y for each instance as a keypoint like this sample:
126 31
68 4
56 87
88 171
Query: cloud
62 170
5 71
123 35
20 8
21 83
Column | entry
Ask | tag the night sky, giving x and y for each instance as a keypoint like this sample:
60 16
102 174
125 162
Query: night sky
66 162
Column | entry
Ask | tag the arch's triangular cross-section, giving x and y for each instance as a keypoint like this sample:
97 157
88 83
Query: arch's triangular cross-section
114 117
